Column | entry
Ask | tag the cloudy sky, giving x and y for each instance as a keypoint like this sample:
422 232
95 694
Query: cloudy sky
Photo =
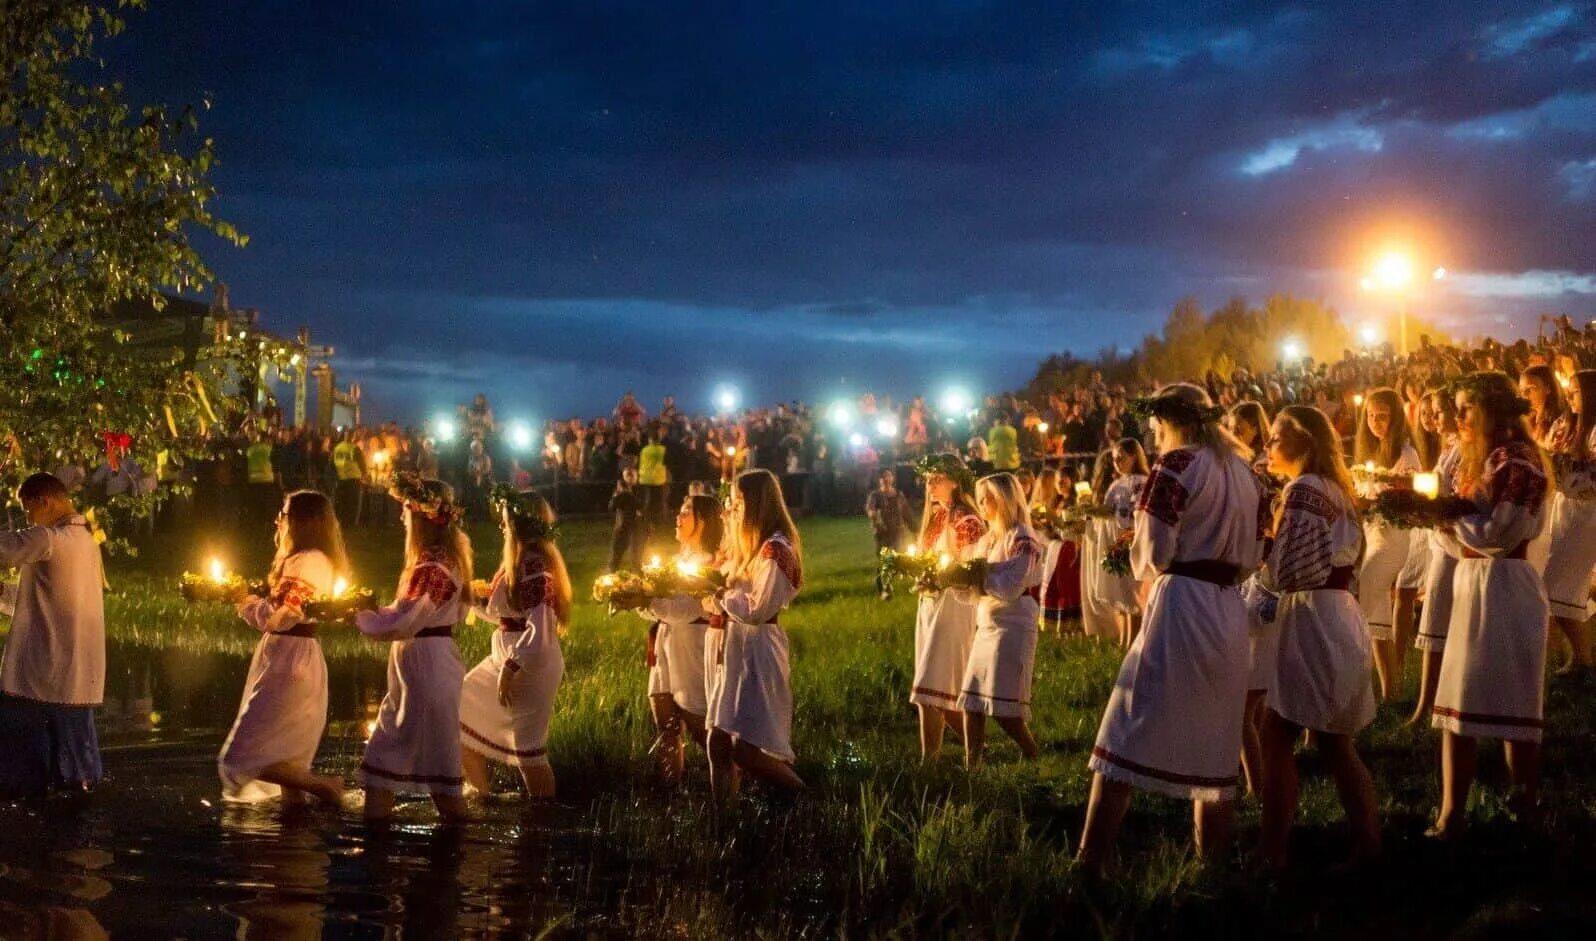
554 202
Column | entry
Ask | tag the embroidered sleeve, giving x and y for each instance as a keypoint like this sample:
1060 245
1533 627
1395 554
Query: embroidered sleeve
968 531
292 592
1163 496
432 581
785 559
1515 480
532 582
1007 578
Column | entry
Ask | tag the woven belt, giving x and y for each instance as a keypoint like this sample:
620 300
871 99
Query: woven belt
1517 552
1340 579
1212 571
512 625
307 629
718 622
443 630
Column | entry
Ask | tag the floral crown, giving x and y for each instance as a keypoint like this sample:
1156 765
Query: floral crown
949 466
430 498
1493 390
1174 409
524 514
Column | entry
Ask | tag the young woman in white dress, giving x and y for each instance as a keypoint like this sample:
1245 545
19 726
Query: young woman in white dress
944 621
749 706
1321 680
1538 385
1005 584
415 747
1116 490
1572 514
1173 722
1492 675
1250 424
1099 616
1440 411
284 710
1384 456
506 701
677 691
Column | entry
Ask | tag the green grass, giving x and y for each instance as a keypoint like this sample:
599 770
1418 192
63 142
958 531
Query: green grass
884 846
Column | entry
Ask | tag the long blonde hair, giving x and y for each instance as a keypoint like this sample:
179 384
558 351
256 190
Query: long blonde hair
961 497
1045 491
1207 433
1497 396
312 525
1366 447
764 515
520 538
425 533
1010 496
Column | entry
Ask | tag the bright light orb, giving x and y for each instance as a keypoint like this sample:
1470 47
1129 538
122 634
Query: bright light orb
1369 334
1291 350
444 429
520 436
841 414
1393 271
955 400
887 427
857 440
726 398
1439 275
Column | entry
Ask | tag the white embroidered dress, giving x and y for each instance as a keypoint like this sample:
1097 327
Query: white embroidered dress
284 707
1493 671
997 680
527 630
944 621
750 686
1435 616
678 667
1322 679
1173 721
1103 596
416 745
1385 552
1572 552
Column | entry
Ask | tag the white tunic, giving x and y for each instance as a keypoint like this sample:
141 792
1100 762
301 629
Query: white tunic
1173 722
1572 552
1493 671
56 649
997 681
1386 552
750 686
1436 614
678 667
944 622
284 708
416 745
527 630
1322 680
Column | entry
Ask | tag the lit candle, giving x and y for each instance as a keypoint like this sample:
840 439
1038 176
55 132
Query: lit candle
606 580
1042 427
653 561
1368 467
687 567
1358 400
340 586
380 458
945 561
731 451
217 574
914 548
1427 484
1083 488
1562 380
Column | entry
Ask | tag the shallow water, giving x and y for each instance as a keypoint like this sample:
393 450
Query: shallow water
156 853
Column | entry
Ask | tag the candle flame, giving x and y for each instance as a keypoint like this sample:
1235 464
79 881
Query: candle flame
1427 484
945 561
653 561
1368 466
339 587
1083 488
914 548
731 451
1358 399
688 568
218 574
371 728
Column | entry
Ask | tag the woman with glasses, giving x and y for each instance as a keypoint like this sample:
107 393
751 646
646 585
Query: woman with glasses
749 703
273 741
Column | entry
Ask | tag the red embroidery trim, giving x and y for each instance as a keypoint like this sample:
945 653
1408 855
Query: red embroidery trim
779 551
433 581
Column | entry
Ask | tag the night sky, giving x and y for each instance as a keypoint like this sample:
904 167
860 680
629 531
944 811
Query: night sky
553 203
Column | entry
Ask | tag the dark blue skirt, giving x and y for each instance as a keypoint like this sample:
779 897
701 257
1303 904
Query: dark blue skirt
46 746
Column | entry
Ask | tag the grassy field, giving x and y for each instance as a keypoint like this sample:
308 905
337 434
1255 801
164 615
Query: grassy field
881 845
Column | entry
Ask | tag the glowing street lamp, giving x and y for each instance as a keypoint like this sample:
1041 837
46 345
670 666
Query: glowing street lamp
887 427
1369 334
857 440
726 399
444 429
521 437
1291 350
840 414
1395 273
955 401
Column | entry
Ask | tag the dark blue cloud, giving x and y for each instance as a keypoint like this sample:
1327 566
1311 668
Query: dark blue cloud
551 201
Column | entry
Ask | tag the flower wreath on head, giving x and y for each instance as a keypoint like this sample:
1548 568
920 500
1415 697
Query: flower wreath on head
1173 408
949 466
527 518
426 497
1476 386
